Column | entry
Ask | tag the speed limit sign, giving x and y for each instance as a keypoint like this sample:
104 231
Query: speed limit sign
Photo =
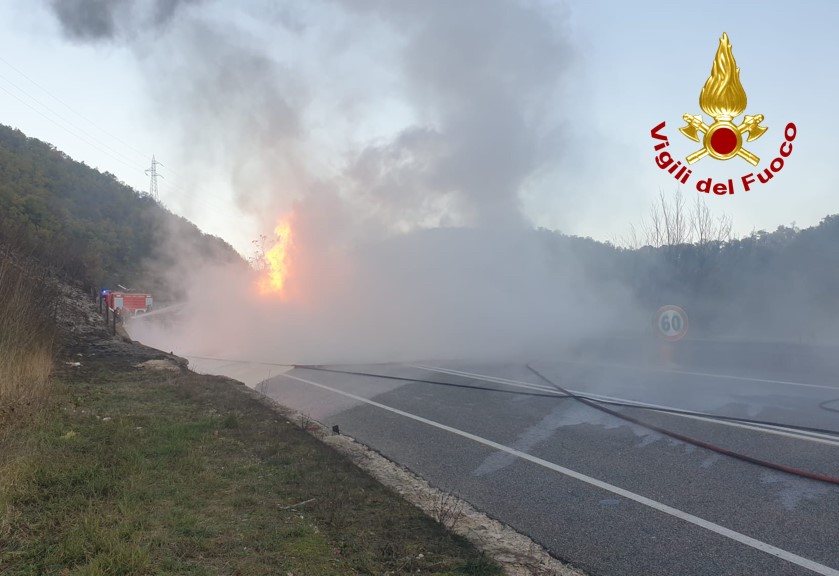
671 322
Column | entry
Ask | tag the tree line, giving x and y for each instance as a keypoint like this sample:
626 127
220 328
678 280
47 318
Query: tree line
88 226
778 285
782 284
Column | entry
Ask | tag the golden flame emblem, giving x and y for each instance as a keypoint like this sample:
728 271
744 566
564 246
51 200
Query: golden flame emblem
723 98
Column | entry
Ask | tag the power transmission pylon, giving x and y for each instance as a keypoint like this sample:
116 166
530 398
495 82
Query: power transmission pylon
152 172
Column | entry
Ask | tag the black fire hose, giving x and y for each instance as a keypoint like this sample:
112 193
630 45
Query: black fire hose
718 449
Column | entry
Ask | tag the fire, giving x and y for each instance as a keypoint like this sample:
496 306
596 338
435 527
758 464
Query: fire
723 96
277 261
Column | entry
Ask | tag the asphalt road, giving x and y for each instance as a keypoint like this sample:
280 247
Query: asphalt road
610 497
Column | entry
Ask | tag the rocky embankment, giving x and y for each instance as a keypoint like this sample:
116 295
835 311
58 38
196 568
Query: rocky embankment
83 333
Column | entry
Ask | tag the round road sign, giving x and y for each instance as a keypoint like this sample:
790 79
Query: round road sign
671 323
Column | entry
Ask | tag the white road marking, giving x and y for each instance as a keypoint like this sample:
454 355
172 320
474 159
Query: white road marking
493 379
703 374
778 430
767 429
695 520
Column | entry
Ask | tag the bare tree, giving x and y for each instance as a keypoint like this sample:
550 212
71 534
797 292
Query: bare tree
705 229
257 260
672 222
675 220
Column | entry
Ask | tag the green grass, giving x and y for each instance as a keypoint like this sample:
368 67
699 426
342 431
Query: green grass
136 472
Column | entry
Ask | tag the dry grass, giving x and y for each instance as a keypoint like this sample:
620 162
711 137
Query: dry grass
136 472
449 510
27 334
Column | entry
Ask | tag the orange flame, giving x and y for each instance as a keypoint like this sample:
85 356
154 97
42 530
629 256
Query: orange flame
277 261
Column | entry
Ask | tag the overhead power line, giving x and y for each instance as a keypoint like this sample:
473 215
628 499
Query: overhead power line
105 146
68 107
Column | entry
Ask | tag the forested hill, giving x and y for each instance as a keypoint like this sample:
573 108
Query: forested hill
780 285
92 228
89 226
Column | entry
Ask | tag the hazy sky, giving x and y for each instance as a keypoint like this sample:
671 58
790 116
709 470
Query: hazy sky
349 84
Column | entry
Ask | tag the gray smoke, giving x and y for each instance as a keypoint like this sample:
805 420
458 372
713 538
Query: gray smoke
482 74
479 76
372 122
239 111
103 20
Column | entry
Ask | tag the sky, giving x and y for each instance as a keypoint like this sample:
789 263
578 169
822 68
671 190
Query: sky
421 114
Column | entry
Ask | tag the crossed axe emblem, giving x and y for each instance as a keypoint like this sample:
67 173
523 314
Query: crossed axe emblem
750 124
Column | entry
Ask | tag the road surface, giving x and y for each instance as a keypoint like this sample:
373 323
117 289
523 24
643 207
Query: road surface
608 496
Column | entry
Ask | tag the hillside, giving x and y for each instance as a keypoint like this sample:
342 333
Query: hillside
115 458
87 225
94 229
780 285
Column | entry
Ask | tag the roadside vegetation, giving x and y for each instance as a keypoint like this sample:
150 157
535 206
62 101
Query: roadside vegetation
110 468
138 471
780 284
87 226
27 336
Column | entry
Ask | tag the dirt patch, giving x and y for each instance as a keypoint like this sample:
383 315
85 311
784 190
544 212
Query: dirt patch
159 364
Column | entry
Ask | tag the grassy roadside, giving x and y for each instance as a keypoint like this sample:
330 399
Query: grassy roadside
136 471
27 334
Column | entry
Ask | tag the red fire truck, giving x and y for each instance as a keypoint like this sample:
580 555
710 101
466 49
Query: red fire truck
128 302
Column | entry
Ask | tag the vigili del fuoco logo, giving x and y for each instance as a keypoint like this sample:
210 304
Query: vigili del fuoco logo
723 99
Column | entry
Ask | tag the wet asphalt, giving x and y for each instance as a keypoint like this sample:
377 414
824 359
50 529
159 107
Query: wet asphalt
636 502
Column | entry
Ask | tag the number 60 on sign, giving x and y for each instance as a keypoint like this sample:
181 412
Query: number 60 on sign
671 323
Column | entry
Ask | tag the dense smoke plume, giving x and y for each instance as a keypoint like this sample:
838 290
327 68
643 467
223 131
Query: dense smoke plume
476 78
400 137
103 20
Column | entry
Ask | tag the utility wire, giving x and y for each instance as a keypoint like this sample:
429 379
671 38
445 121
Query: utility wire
75 129
68 107
88 138
103 150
